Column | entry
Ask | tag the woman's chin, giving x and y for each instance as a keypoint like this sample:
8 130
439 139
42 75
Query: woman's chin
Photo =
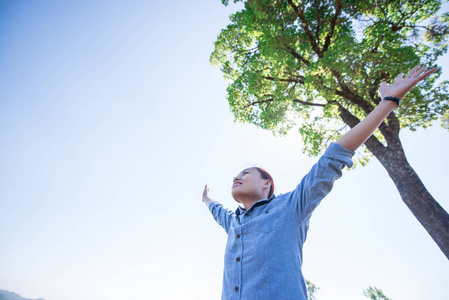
235 194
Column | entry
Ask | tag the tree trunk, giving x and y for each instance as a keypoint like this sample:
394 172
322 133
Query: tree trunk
413 192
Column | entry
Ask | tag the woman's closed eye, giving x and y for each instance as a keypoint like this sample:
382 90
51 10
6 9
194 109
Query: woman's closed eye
243 173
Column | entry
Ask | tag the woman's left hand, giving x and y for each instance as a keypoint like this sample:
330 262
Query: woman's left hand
401 86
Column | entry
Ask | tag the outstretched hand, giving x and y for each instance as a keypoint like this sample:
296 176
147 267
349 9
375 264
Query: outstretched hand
205 195
401 86
354 138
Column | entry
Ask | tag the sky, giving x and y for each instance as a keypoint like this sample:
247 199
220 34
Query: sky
112 120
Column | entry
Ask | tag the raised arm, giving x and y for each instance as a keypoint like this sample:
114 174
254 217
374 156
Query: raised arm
354 138
221 214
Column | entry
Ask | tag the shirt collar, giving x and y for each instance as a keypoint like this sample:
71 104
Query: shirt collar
240 210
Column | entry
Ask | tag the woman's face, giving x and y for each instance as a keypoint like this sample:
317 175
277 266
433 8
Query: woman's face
250 184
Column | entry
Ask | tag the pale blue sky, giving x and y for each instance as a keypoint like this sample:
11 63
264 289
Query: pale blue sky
111 122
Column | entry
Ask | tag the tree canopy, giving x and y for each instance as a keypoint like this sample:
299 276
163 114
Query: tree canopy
318 64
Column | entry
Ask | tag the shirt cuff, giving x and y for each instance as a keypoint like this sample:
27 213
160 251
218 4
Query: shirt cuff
338 152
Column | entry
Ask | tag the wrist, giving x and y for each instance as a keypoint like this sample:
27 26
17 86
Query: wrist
207 200
397 100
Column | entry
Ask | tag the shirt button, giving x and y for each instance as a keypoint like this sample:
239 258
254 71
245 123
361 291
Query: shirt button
236 288
238 236
266 212
238 259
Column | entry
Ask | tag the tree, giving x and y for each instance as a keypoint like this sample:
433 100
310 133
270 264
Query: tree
311 290
445 120
319 63
371 293
375 294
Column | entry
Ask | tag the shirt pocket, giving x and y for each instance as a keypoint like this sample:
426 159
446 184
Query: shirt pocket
269 220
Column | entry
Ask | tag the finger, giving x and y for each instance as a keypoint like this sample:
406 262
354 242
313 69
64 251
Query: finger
399 77
412 71
424 75
418 73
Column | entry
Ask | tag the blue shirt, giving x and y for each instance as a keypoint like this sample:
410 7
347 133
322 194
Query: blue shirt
263 255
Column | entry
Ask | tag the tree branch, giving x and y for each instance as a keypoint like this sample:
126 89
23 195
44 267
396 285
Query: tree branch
298 56
355 99
258 102
299 80
310 103
294 100
349 95
300 13
372 91
333 21
318 19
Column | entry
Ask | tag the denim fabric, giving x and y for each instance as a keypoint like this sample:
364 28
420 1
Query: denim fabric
263 255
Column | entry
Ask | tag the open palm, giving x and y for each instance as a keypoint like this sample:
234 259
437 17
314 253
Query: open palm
401 85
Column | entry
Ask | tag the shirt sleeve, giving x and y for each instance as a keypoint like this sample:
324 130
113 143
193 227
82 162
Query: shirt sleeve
221 214
320 179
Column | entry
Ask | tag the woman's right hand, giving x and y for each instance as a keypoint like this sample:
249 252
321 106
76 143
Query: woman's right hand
206 198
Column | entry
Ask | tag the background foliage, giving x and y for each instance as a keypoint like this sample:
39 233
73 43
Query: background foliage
299 63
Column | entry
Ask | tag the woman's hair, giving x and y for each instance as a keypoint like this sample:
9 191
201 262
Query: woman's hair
266 175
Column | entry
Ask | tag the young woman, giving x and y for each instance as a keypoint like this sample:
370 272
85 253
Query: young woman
263 255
